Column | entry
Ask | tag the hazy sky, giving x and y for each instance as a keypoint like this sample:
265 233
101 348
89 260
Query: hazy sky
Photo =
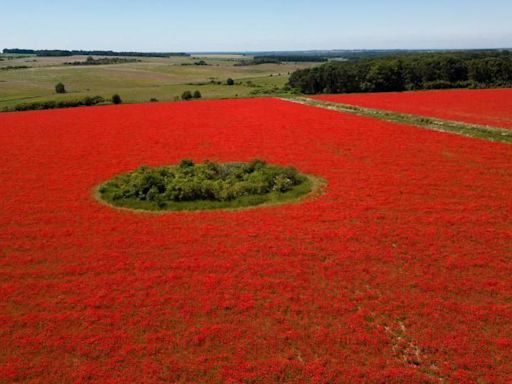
238 25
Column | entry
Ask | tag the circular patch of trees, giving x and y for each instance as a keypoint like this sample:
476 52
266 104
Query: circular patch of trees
210 185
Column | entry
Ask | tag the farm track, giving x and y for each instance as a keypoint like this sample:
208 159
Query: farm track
464 129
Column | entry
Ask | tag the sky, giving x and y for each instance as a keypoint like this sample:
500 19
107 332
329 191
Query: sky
262 25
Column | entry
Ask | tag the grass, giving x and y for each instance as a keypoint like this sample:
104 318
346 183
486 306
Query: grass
470 130
160 78
297 194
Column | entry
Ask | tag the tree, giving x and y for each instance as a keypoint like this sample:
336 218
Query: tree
385 76
116 99
230 81
197 95
187 95
60 88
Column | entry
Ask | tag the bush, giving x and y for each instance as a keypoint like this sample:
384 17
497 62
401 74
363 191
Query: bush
60 88
197 95
207 181
153 100
116 99
186 163
187 95
230 81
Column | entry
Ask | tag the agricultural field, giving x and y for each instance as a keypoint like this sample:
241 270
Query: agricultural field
399 272
159 78
492 107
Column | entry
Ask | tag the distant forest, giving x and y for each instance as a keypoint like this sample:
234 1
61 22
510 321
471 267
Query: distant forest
411 71
257 60
103 61
341 54
64 53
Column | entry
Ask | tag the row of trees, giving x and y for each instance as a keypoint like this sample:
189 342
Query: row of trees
257 60
408 72
102 61
63 52
52 104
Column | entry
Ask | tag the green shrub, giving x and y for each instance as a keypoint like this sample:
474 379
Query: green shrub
116 99
186 163
197 95
187 95
230 81
60 88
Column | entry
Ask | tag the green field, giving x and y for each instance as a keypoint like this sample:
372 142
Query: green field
161 78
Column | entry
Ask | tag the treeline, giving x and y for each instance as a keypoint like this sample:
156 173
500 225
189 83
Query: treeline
291 58
63 53
469 69
346 54
281 59
52 104
13 67
103 61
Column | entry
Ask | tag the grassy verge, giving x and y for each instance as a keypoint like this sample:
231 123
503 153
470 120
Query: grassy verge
311 187
470 130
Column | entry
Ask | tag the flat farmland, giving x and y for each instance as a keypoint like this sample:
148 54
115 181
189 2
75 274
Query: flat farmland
492 107
160 78
399 272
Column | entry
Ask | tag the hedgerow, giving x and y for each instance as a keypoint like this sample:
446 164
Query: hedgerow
53 104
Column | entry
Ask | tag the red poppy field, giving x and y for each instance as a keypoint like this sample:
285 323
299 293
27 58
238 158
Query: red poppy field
491 107
399 273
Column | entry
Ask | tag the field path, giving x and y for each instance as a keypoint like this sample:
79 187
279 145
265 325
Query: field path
465 129
484 107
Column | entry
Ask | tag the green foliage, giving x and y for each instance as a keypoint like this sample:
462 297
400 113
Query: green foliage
214 182
12 67
103 61
85 102
63 53
407 72
197 95
384 76
187 95
116 99
278 59
230 81
60 88
186 163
